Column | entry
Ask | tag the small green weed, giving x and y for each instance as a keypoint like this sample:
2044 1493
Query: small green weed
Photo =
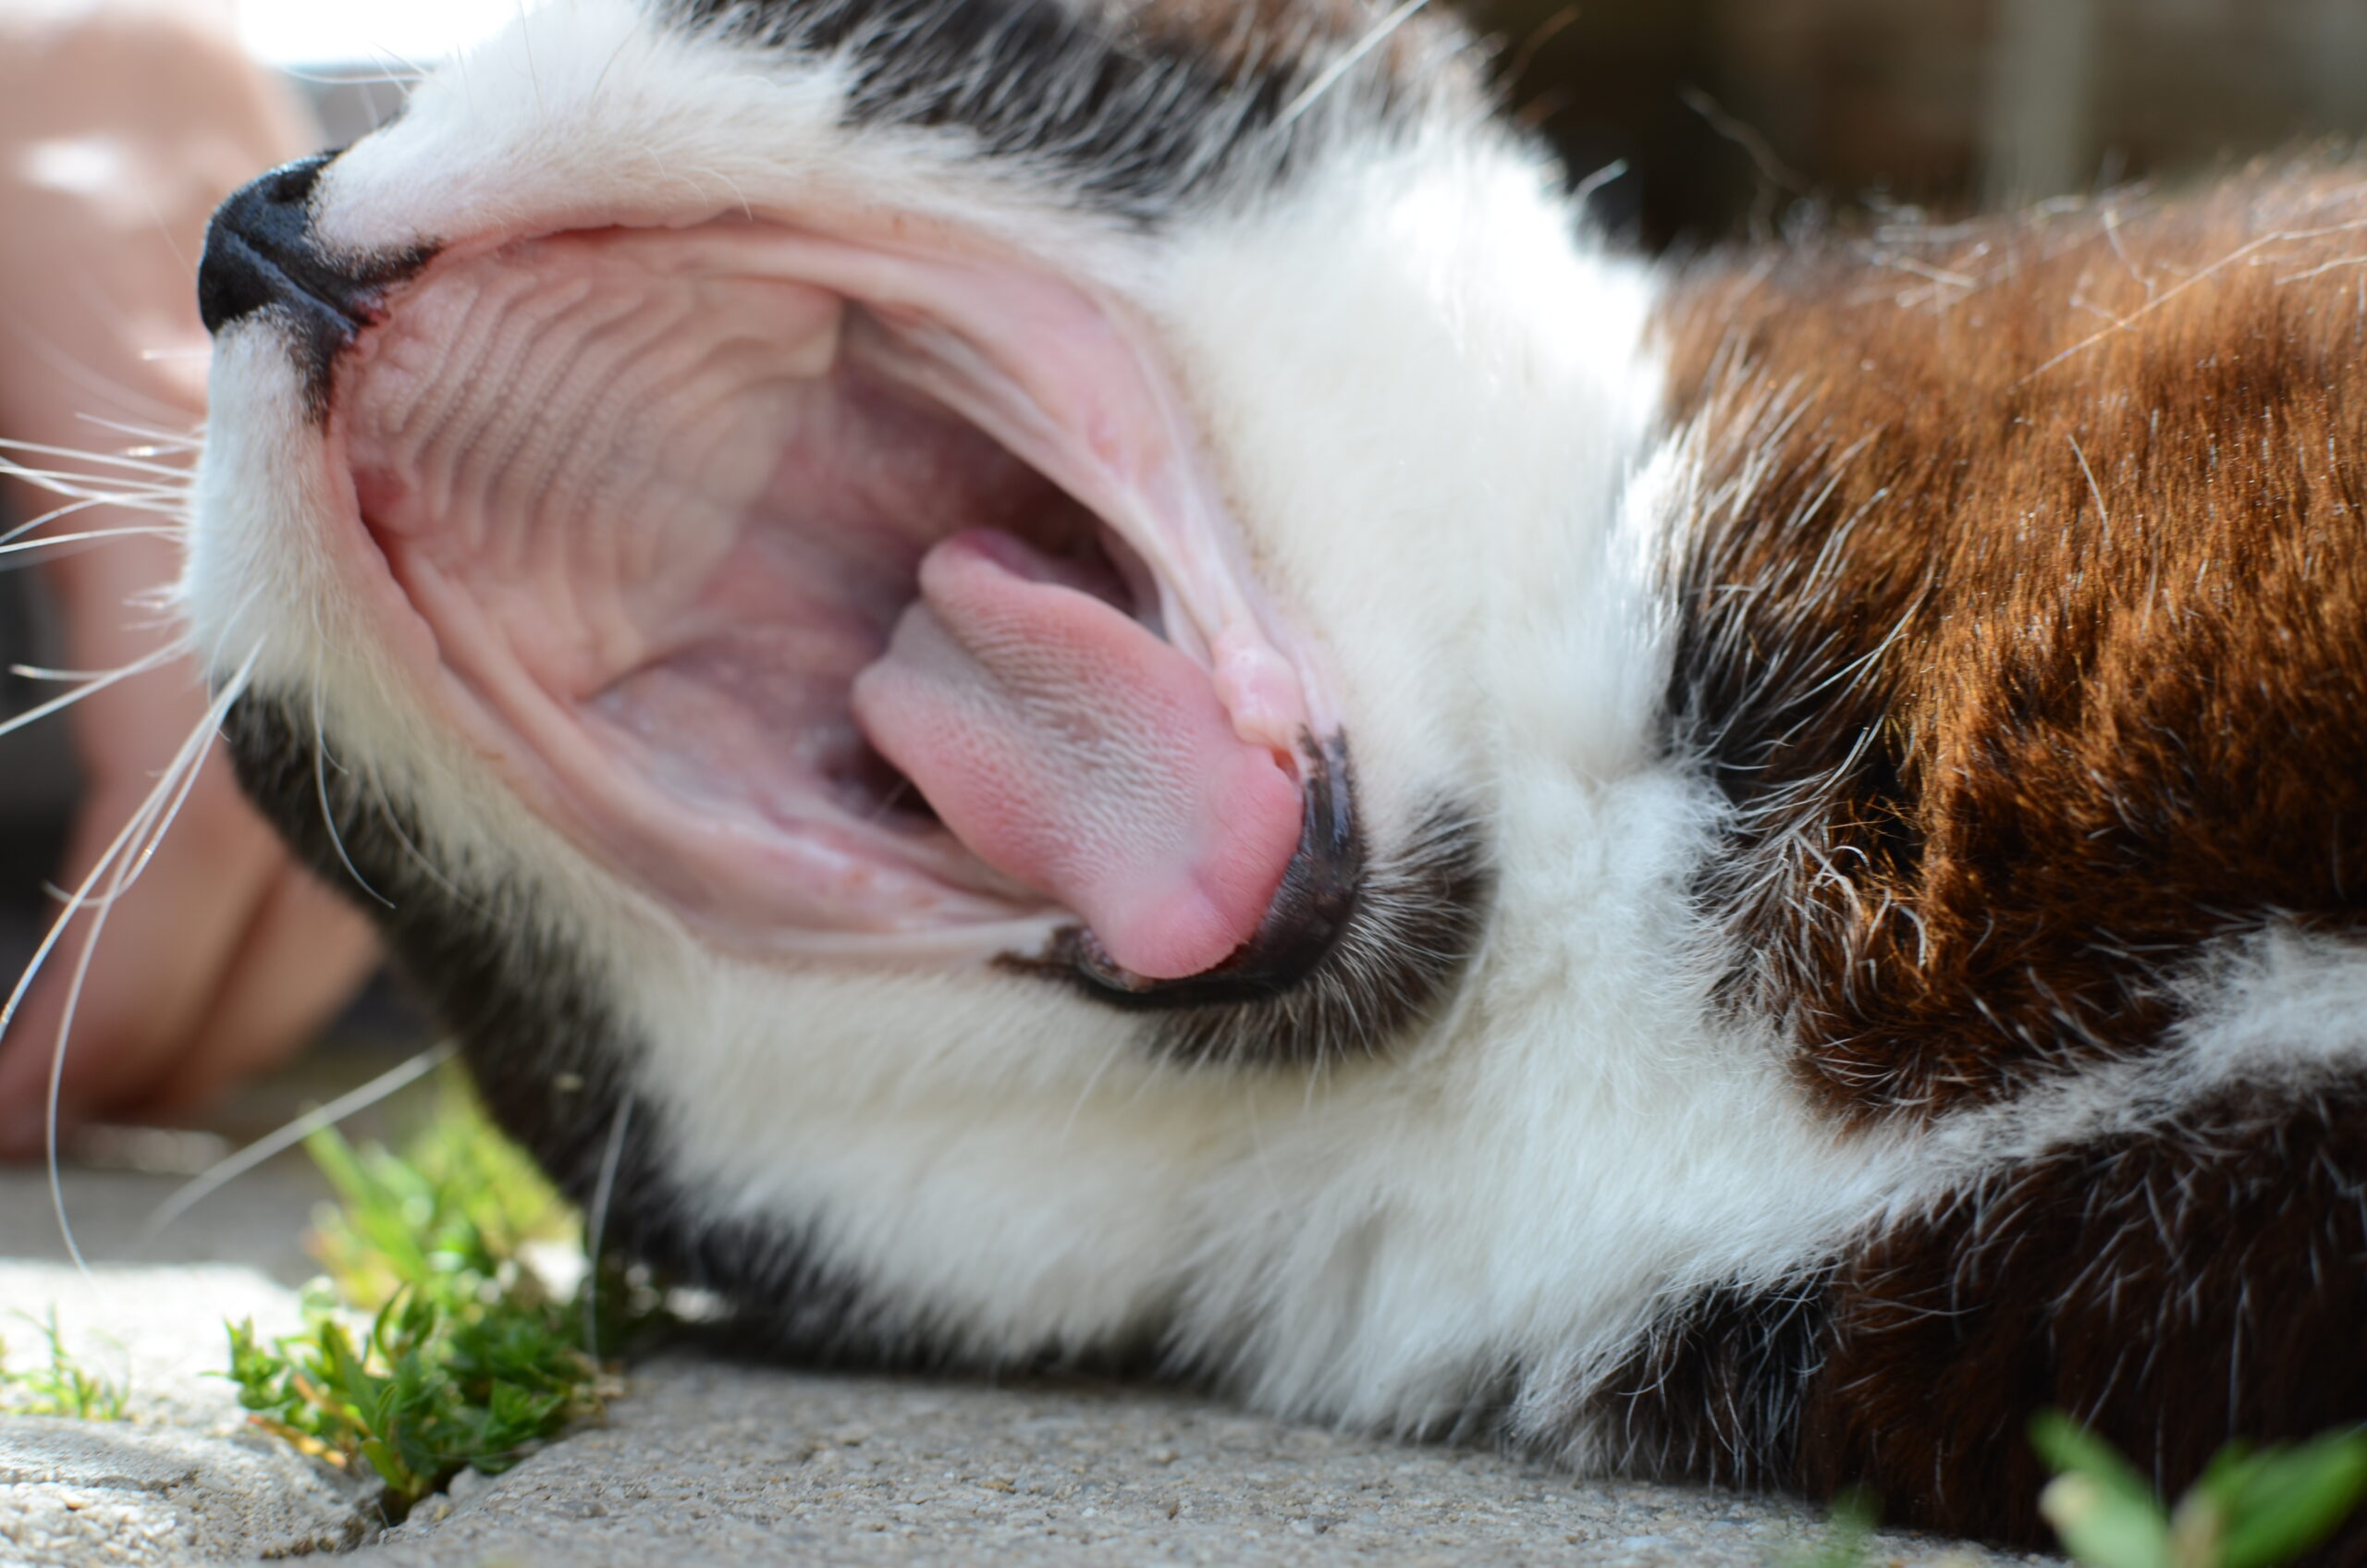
2253 1508
65 1386
430 1346
1846 1540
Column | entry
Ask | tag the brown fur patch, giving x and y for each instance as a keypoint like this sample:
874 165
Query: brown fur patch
2027 624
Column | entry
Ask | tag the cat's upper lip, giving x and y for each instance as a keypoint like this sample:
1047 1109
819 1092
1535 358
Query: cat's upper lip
584 681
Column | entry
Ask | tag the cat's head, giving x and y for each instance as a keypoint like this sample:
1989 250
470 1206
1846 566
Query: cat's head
953 534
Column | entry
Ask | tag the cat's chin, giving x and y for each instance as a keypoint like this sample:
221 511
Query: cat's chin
849 599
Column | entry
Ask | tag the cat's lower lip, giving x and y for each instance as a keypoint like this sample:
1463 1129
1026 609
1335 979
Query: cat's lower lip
659 498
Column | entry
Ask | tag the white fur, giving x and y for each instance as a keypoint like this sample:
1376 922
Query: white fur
2281 1011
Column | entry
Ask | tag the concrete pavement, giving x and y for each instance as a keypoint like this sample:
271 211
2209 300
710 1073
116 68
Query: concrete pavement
710 1461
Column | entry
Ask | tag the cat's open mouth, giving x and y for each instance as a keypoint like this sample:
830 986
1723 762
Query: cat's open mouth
844 596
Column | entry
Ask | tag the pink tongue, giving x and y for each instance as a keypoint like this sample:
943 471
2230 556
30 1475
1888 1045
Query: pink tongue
1075 752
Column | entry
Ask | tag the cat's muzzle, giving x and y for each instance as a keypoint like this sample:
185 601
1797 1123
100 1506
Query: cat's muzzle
852 594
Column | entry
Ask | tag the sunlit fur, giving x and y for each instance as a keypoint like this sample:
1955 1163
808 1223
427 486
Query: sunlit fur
1444 418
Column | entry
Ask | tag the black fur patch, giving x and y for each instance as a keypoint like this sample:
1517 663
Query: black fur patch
1713 1393
1138 119
2172 1290
540 1039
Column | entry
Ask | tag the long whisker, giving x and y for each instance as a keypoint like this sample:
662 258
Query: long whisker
1091 1084
40 672
224 1171
172 505
141 665
156 500
392 822
90 535
111 460
102 487
78 485
596 1221
179 778
408 75
162 503
118 862
1330 77
320 791
155 839
184 439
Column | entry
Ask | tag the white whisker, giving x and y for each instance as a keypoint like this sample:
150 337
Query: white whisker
596 1221
141 665
174 527
392 822
224 1171
38 672
89 536
178 778
1331 74
155 839
1091 1084
409 73
118 863
183 439
163 502
112 459
163 601
170 505
94 486
320 791
70 509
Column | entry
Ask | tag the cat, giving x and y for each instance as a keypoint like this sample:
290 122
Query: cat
1043 682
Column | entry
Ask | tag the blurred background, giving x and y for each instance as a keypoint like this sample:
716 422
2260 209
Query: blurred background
1722 119
1726 111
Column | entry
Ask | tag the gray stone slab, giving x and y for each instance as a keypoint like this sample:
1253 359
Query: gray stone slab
185 1479
80 1493
708 1462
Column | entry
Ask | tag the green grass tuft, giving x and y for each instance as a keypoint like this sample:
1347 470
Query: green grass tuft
65 1386
1847 1538
2252 1508
430 1346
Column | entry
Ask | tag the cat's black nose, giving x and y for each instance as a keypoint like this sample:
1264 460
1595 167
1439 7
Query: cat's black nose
260 252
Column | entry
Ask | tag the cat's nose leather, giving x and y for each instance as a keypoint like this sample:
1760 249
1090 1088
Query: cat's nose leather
263 254
260 252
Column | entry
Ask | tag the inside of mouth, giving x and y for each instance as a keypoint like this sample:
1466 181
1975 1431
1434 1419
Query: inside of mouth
729 591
